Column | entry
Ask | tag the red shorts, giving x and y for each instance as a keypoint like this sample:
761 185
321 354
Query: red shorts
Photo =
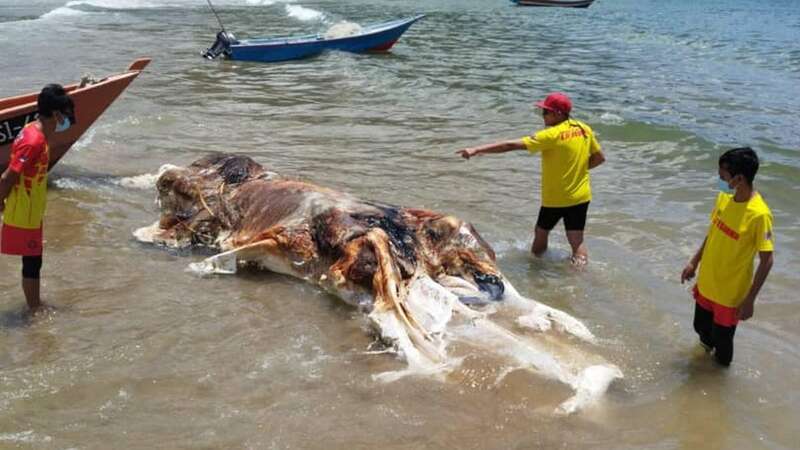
20 241
723 315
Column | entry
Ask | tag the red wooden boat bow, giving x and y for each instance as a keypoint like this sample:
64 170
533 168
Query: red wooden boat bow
91 100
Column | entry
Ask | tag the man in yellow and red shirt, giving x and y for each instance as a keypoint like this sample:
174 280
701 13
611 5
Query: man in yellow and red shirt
741 227
23 187
569 149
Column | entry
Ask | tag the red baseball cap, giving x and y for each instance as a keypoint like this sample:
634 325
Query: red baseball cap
557 102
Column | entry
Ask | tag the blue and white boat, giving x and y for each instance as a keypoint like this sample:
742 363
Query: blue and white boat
372 38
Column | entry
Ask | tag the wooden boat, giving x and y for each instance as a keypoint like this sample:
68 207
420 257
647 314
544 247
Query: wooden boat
559 3
91 99
373 38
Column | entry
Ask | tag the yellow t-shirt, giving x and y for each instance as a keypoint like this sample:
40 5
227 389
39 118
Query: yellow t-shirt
30 158
565 162
736 233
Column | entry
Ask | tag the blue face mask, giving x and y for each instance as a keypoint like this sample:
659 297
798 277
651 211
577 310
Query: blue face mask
723 186
63 126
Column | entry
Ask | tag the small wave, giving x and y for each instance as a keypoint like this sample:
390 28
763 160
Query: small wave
144 181
81 7
611 119
76 6
70 184
304 14
64 11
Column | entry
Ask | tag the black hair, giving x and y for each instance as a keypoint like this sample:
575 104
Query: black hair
54 98
740 161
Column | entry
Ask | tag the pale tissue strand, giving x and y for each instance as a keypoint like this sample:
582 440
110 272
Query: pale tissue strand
433 300
433 306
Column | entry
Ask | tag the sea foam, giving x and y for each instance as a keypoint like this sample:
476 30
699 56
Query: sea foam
304 14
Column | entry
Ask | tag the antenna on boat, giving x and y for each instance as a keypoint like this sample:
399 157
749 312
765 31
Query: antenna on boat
215 13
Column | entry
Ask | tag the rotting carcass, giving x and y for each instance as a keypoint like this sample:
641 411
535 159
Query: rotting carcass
421 277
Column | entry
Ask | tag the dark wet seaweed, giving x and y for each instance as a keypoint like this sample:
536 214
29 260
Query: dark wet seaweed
236 169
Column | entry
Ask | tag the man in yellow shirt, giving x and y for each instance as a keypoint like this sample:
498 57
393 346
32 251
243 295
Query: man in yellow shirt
741 226
569 149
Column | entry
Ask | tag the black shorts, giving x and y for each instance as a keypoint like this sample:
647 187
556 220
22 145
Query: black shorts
574 217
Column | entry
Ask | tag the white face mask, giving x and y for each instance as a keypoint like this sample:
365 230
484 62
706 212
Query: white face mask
63 126
724 187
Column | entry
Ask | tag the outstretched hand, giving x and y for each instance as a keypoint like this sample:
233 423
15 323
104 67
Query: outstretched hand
688 273
466 153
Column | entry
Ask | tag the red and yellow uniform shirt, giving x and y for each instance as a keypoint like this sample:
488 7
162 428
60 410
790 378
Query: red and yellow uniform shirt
737 232
25 204
565 148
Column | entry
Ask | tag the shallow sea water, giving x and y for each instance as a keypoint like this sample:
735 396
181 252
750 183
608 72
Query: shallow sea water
139 353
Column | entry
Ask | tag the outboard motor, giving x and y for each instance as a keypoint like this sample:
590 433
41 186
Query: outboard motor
222 46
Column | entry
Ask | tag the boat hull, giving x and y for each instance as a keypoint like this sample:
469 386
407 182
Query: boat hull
379 38
90 101
555 3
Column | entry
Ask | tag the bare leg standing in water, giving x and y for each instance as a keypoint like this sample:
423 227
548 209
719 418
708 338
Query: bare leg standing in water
574 222
31 267
580 255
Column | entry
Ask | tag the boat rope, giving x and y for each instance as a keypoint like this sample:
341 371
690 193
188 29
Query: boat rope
203 202
215 13
186 225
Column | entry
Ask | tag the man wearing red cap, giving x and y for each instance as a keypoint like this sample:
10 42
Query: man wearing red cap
569 149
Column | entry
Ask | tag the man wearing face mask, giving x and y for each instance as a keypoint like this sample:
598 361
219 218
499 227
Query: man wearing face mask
741 226
569 149
23 187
